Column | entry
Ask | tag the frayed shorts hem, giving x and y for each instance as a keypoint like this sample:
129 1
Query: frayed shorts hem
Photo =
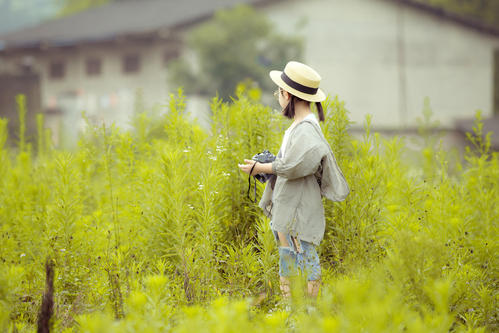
292 262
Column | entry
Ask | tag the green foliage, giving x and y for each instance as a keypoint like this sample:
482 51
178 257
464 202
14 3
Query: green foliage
69 7
152 230
485 11
237 44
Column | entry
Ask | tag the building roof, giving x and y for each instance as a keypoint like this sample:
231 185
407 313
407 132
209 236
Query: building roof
142 17
115 19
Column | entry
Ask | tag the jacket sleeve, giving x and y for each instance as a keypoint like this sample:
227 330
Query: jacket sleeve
303 154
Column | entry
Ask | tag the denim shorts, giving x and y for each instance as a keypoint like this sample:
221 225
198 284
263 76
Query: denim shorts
292 260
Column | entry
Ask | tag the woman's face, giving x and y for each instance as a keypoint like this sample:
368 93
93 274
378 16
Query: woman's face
283 98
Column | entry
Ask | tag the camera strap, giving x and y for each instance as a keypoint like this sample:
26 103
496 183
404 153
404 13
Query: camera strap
249 183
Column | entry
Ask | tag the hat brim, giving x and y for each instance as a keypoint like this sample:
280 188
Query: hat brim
319 96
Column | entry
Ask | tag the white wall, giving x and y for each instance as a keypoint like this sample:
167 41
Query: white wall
384 58
109 96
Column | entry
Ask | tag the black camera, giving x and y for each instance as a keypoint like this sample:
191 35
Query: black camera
263 157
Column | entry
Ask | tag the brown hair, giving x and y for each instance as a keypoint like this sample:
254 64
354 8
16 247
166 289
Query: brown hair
289 110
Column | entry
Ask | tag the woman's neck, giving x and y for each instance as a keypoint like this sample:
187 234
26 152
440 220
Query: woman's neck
302 110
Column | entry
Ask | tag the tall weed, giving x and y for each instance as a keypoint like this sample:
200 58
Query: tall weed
152 229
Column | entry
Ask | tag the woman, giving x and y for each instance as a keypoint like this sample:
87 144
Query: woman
306 170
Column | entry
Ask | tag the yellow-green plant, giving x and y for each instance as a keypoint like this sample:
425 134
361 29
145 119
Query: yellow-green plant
152 230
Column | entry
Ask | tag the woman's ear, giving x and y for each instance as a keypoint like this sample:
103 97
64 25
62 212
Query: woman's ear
286 95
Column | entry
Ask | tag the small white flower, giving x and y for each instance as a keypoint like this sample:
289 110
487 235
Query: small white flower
63 250
22 255
220 148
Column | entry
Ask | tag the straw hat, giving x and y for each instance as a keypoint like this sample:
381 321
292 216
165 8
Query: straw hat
300 80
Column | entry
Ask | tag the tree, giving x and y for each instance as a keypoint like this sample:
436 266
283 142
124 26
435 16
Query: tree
69 7
236 45
484 11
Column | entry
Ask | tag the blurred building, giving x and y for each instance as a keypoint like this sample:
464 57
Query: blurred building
106 61
383 57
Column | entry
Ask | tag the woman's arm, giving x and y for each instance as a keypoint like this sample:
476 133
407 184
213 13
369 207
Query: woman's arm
302 158
259 167
303 154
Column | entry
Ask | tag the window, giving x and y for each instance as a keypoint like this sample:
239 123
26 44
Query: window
170 54
93 66
26 64
171 50
57 70
496 82
131 63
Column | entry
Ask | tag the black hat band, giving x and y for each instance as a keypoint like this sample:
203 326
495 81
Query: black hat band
298 86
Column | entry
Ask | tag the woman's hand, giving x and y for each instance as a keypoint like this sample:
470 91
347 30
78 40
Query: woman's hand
246 167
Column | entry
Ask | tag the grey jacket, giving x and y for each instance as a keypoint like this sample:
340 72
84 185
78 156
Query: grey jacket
307 172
